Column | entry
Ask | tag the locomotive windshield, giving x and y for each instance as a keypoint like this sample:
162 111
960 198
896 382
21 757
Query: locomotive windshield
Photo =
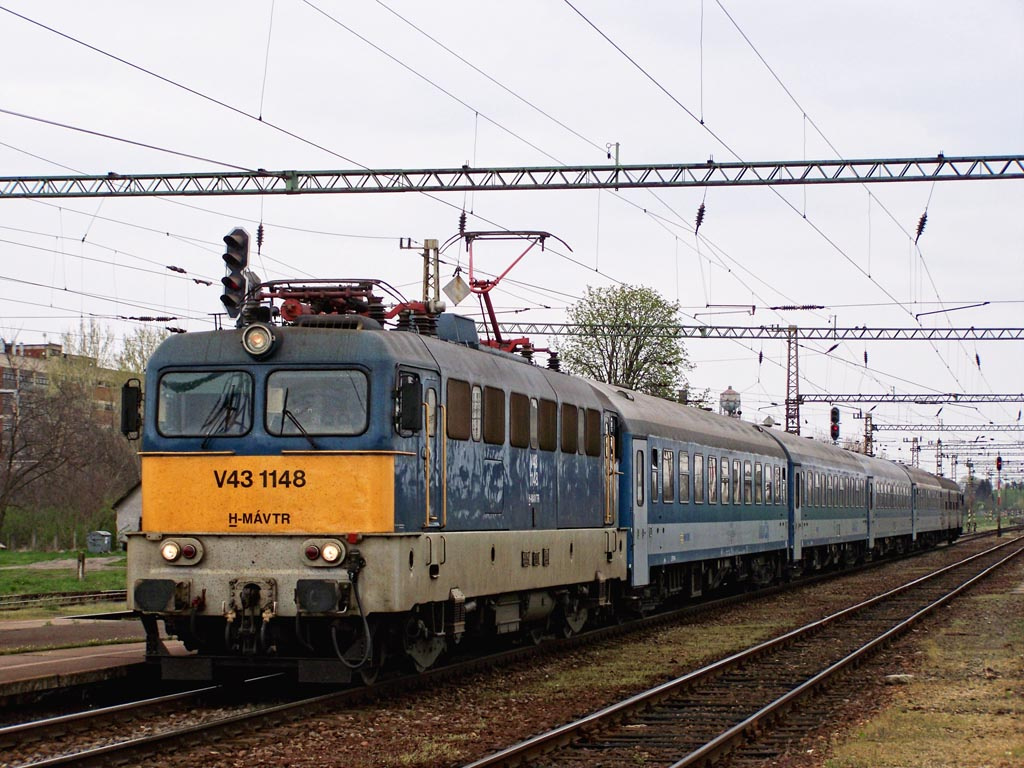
317 403
205 403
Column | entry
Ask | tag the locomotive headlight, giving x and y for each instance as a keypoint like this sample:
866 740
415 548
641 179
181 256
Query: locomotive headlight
170 551
331 552
258 340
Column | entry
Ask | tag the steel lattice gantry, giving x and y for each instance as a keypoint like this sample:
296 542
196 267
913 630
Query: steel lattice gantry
369 181
780 332
917 399
948 427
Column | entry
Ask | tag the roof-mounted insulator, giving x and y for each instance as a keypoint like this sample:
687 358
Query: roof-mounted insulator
700 217
920 226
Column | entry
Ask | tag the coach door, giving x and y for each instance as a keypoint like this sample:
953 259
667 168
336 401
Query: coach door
641 540
795 534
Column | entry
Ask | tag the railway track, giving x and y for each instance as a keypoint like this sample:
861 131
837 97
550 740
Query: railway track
146 728
50 599
699 718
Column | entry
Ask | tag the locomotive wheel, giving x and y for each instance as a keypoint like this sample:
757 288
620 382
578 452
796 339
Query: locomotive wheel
421 646
572 620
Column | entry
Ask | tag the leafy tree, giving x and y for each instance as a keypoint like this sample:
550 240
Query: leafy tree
139 345
622 340
983 490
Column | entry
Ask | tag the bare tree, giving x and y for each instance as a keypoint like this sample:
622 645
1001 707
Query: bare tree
43 433
138 346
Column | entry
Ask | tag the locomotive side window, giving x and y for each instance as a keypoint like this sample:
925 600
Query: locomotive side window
668 475
459 410
431 412
519 420
476 413
684 476
569 433
534 423
494 416
592 433
581 430
204 403
548 425
317 402
698 478
639 477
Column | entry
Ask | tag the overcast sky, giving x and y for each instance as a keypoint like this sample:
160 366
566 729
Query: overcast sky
358 85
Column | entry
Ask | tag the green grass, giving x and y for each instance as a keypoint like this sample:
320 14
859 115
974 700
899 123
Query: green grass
21 579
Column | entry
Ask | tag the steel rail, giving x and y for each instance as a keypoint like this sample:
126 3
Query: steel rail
563 735
710 752
371 181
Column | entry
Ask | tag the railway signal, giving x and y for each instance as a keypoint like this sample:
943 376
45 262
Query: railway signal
834 428
236 259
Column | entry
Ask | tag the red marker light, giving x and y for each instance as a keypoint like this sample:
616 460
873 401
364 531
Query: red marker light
312 552
352 538
188 551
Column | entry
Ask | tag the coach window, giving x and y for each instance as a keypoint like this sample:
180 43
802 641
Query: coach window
654 475
698 478
782 490
799 488
518 420
725 480
205 403
737 492
767 483
569 433
477 412
321 403
747 482
548 425
758 483
459 410
712 480
684 476
639 478
668 476
494 416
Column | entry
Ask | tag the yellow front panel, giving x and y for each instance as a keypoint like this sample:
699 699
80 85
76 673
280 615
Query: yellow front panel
293 493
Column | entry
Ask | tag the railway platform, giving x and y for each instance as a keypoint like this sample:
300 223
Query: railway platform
42 655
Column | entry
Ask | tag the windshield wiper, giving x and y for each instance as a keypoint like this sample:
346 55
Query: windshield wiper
225 414
286 414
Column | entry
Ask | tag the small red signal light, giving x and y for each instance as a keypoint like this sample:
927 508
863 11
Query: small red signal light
312 552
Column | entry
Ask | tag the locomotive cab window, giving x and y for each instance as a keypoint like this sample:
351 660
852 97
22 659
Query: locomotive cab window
317 403
204 404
